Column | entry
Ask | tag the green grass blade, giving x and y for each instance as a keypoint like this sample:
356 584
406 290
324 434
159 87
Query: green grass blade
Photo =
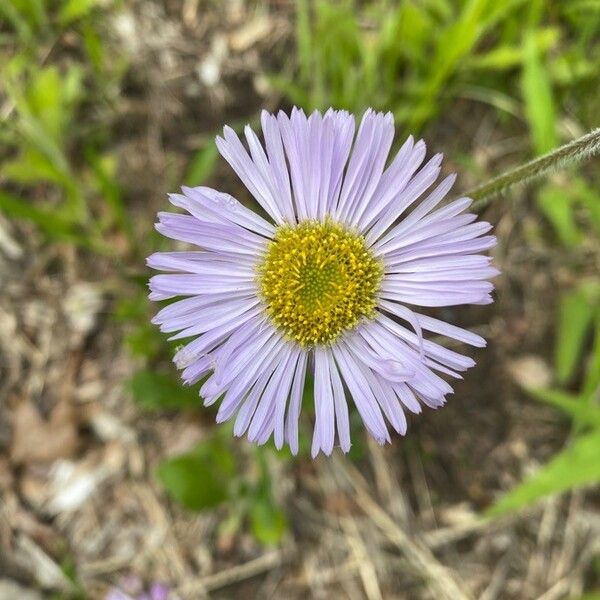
576 407
202 165
47 220
452 46
556 203
9 12
537 94
576 466
575 314
304 39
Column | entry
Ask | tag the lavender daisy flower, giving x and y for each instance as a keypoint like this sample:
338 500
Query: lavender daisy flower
324 281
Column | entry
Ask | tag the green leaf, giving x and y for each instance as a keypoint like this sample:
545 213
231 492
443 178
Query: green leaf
498 59
202 165
155 391
31 167
35 130
144 340
72 87
576 466
200 479
75 9
537 93
508 56
44 96
9 12
94 48
575 315
267 521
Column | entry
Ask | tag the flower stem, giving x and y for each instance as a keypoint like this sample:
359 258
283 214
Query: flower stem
570 154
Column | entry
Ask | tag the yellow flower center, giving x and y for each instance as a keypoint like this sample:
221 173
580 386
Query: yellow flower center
317 280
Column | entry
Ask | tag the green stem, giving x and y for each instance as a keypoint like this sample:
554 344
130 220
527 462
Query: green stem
570 154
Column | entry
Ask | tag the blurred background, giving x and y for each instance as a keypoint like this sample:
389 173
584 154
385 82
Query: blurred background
114 481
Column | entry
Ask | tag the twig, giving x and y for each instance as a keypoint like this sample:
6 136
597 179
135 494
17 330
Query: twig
570 154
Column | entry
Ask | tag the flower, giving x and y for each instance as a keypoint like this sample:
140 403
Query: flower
324 281
132 588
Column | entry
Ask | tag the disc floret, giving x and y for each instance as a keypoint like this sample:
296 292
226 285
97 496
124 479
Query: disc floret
317 280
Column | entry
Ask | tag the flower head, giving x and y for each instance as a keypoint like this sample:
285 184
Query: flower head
325 281
317 280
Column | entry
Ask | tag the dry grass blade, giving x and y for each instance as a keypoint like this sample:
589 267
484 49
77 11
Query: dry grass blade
366 568
440 580
202 585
